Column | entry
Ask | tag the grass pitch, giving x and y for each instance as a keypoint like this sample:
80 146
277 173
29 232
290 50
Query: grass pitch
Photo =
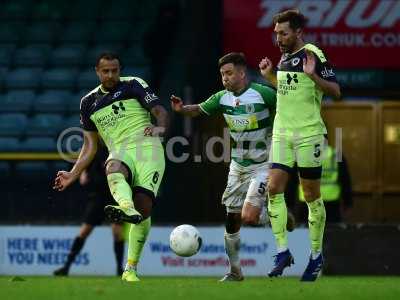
191 288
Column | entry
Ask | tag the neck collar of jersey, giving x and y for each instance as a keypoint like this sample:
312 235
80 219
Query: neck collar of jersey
246 87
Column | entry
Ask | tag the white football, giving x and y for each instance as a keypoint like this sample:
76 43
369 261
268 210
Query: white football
185 240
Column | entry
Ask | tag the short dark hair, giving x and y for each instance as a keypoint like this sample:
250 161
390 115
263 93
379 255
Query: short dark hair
296 19
107 56
236 58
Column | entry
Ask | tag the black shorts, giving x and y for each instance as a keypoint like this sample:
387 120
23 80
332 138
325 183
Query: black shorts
96 201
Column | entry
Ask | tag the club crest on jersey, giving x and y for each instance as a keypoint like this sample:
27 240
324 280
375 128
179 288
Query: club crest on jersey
237 102
295 61
250 108
116 94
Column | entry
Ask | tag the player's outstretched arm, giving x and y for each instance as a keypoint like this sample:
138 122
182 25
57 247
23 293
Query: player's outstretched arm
88 151
162 119
187 110
267 71
329 88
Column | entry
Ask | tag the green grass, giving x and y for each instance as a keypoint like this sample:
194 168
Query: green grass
190 288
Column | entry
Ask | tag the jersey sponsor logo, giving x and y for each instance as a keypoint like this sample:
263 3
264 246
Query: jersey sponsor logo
327 14
250 108
150 97
118 107
295 61
290 78
327 73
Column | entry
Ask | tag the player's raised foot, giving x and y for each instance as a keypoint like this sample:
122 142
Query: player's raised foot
63 271
291 222
232 277
117 214
130 276
313 269
282 260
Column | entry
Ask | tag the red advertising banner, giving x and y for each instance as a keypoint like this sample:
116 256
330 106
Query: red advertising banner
352 33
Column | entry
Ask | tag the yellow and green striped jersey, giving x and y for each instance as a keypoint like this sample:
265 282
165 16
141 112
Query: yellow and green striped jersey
249 117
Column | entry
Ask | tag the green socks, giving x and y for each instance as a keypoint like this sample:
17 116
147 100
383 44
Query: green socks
137 238
120 190
277 212
316 224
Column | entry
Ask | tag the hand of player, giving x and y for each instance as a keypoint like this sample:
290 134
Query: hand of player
154 131
309 63
266 67
176 103
63 180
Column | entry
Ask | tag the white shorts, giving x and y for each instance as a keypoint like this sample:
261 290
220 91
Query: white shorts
245 184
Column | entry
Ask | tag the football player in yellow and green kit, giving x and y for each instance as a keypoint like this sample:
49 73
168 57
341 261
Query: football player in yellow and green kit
119 112
303 76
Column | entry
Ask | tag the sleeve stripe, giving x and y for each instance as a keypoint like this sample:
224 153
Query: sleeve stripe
203 110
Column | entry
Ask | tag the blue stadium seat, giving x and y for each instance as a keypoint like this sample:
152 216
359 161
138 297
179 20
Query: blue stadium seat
74 103
49 10
6 54
10 144
32 56
15 10
10 32
5 170
17 101
32 171
44 125
87 80
72 121
134 57
23 78
77 32
93 53
43 32
52 101
60 78
68 56
142 72
39 144
85 10
13 125
113 32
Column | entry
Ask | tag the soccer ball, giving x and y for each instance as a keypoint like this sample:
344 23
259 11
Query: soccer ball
185 240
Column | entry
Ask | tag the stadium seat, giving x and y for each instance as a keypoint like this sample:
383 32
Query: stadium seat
142 72
52 101
39 144
122 10
6 54
68 56
77 32
23 78
43 32
10 32
72 121
10 144
15 10
93 53
12 125
134 57
87 80
47 10
59 78
74 103
44 125
17 101
112 32
32 56
85 10
32 171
